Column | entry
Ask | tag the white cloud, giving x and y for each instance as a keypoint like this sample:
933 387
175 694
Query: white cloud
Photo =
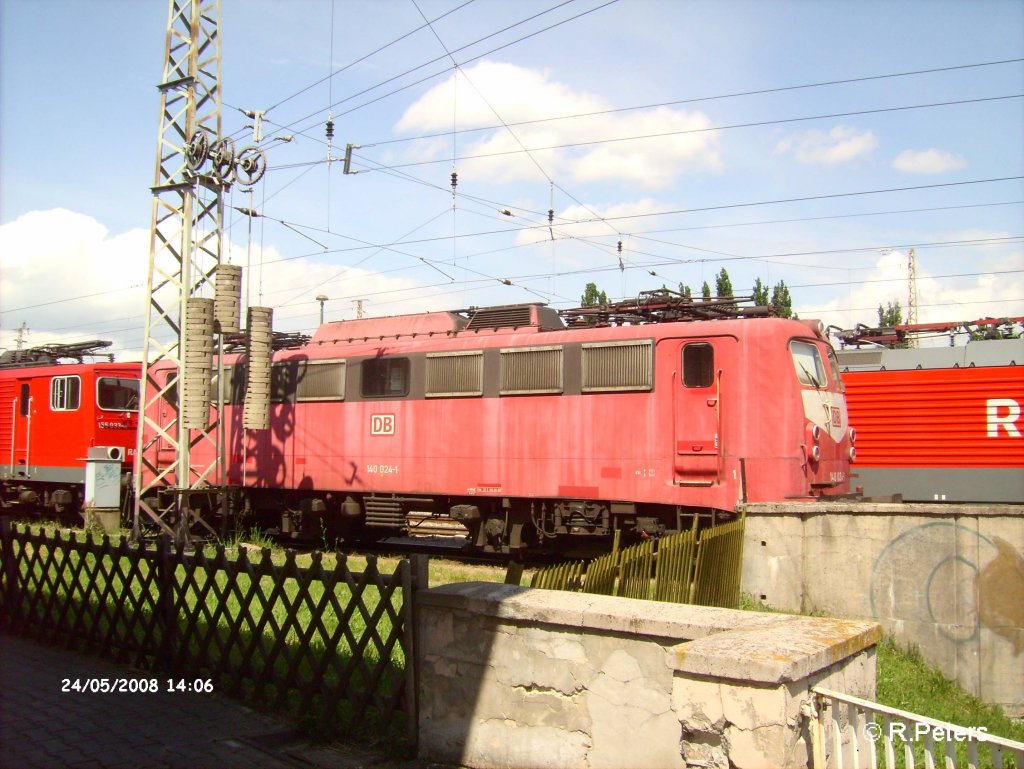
930 161
939 300
68 279
678 143
840 145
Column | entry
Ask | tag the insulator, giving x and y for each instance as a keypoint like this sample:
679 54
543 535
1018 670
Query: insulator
551 215
620 246
455 181
330 128
227 302
259 345
197 363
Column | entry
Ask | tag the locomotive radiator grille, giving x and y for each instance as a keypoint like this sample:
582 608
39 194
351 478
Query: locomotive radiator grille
451 374
531 370
618 366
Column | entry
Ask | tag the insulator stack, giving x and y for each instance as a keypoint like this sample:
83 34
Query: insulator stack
259 343
198 363
227 303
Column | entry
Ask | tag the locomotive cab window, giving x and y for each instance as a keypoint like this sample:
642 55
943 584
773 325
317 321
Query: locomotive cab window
698 365
810 369
385 378
117 394
65 393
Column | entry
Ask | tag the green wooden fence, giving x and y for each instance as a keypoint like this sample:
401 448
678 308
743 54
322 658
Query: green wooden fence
699 567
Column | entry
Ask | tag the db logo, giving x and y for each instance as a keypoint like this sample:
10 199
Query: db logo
837 417
382 424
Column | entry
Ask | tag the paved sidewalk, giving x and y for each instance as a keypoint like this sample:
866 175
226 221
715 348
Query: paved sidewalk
42 726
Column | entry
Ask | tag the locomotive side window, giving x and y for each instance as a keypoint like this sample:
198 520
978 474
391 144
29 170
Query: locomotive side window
117 394
234 391
65 393
455 374
833 363
385 378
23 400
322 380
531 370
810 369
698 365
284 378
618 366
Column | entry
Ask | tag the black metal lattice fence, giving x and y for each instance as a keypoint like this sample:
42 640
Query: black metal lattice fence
291 633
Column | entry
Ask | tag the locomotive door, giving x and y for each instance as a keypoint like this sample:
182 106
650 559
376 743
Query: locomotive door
19 402
166 454
697 410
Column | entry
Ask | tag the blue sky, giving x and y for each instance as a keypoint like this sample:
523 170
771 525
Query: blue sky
689 186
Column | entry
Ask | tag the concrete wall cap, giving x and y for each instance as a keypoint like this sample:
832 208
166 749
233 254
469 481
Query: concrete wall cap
881 508
791 648
599 612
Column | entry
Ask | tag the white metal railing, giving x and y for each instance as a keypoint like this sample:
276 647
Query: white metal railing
849 731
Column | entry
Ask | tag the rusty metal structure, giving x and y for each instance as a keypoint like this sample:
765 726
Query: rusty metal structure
185 252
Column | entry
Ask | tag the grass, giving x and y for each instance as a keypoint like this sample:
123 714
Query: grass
906 681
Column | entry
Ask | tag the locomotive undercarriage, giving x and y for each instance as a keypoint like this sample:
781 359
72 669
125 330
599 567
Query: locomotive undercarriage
43 499
492 524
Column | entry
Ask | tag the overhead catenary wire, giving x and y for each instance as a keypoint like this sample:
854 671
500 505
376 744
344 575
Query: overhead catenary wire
709 129
400 242
719 207
699 99
292 125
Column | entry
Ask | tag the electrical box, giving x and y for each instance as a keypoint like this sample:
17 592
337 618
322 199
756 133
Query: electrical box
103 477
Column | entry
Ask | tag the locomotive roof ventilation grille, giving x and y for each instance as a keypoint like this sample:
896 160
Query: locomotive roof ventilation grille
514 316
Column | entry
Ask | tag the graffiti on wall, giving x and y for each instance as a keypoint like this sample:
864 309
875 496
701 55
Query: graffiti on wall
955 578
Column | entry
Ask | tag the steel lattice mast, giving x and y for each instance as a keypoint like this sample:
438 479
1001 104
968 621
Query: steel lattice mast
185 253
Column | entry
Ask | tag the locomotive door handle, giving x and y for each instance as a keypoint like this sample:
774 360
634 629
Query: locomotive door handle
28 440
14 430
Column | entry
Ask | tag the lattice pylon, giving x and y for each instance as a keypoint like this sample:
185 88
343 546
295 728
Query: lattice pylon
185 252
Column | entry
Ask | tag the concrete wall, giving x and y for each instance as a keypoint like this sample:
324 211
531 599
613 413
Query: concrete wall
515 677
946 578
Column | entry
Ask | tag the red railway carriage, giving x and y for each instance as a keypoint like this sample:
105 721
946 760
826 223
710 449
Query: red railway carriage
528 431
50 415
939 424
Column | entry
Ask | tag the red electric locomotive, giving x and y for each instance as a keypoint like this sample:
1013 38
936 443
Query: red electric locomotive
941 423
530 432
51 413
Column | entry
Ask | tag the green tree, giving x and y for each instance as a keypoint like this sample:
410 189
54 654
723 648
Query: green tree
722 283
592 297
705 290
782 300
890 315
686 291
761 297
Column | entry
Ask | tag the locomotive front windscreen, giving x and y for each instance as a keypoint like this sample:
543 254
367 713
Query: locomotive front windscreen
117 394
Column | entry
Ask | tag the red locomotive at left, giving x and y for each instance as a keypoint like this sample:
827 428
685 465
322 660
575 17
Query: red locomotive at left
51 413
